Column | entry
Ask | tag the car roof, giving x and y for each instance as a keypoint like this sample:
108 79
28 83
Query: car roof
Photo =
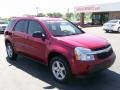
38 18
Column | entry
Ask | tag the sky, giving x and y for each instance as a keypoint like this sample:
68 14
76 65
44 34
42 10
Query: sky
9 8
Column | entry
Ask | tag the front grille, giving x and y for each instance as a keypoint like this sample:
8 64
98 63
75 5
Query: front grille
101 48
104 54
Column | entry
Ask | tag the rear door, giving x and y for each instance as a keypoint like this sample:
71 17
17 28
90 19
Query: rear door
19 35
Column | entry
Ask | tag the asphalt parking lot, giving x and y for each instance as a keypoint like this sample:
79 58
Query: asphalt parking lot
24 74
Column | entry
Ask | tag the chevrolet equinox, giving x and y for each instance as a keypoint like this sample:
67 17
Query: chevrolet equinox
59 44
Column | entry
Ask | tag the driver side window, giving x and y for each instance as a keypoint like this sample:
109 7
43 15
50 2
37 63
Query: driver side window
34 26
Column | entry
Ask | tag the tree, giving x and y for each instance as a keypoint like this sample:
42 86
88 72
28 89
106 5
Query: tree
50 14
40 15
56 14
69 15
77 16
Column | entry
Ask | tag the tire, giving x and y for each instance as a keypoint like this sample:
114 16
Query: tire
10 51
107 31
119 30
60 69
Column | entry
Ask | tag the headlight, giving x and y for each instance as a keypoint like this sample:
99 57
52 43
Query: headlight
84 54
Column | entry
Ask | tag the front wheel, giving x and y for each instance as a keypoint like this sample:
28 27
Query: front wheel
119 29
107 31
60 69
10 51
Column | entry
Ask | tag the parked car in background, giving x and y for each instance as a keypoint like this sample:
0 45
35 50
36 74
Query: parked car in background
3 25
112 26
59 44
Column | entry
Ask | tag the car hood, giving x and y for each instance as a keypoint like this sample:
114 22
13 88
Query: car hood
84 40
107 24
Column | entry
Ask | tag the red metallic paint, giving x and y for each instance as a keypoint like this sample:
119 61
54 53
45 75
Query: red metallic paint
40 49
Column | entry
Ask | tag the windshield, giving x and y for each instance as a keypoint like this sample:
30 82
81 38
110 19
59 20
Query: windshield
62 28
113 21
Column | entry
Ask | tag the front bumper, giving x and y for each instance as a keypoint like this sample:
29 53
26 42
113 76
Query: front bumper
110 28
86 68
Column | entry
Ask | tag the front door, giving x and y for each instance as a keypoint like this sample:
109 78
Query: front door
36 47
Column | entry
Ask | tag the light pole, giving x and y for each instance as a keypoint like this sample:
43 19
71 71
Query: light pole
37 9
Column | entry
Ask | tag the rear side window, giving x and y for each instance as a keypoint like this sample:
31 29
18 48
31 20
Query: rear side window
34 26
21 26
11 24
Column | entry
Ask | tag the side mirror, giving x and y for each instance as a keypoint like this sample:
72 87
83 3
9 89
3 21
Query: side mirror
39 34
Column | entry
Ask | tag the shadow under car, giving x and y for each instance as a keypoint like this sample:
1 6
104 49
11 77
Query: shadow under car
106 80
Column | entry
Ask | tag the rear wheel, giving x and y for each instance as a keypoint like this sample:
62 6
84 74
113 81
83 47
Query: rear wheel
10 51
60 69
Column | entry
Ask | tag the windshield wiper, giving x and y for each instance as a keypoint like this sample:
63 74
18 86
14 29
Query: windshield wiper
66 35
74 34
59 35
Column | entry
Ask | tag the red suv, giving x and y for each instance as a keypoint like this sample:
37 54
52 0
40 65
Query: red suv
59 44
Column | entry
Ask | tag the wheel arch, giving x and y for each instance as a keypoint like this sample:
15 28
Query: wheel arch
7 41
53 54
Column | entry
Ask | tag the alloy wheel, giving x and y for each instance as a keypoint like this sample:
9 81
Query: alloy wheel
9 50
58 70
119 30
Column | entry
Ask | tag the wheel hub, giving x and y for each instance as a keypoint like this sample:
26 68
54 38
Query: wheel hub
58 70
9 51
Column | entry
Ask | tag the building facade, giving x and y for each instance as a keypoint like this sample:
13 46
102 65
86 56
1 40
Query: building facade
101 13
